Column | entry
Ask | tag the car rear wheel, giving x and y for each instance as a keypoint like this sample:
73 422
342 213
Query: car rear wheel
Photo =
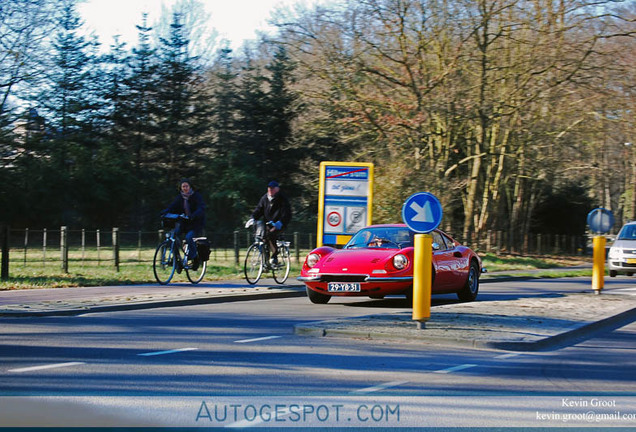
316 297
470 290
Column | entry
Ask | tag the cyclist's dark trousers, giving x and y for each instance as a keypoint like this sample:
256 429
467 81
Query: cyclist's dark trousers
272 236
189 238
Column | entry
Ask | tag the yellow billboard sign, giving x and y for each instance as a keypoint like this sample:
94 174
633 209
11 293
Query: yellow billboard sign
345 200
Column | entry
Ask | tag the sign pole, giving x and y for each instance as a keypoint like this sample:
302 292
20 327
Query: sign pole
598 268
422 213
600 221
422 278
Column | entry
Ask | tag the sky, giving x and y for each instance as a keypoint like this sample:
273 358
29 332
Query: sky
234 20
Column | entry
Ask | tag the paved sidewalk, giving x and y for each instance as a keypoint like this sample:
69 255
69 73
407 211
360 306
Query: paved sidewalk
525 324
75 301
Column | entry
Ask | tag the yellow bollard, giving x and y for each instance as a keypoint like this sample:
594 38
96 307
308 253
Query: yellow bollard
422 278
598 268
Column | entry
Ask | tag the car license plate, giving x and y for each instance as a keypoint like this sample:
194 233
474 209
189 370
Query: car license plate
631 260
343 287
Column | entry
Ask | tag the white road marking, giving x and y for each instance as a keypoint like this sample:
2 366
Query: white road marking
455 368
399 383
49 366
506 356
257 339
156 353
380 387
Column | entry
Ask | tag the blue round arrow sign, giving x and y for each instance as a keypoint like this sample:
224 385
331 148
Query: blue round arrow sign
422 212
600 220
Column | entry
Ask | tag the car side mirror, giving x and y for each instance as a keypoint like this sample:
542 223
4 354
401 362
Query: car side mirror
435 246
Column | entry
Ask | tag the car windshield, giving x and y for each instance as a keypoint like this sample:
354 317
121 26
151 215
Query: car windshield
628 232
381 237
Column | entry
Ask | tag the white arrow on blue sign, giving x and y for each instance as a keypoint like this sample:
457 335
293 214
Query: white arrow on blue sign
600 220
422 212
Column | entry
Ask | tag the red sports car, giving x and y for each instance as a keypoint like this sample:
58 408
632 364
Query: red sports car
378 261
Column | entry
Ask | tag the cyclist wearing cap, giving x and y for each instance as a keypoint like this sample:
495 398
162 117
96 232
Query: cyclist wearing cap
275 209
190 204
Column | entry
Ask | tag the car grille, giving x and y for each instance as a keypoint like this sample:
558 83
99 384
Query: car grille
625 265
342 278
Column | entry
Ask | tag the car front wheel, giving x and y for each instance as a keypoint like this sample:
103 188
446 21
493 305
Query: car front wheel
316 297
470 290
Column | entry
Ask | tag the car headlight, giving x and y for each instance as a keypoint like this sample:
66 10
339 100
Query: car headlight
312 259
400 261
615 252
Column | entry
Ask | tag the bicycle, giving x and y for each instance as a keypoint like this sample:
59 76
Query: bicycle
257 258
167 259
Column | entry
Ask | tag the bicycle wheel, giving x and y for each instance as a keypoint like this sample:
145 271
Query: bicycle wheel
196 276
281 271
164 263
254 263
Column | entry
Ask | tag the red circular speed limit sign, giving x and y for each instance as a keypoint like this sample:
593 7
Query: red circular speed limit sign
334 219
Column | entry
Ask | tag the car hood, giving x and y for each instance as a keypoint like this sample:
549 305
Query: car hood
356 261
624 244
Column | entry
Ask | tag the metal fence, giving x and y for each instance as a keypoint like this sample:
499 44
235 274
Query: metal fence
532 244
112 247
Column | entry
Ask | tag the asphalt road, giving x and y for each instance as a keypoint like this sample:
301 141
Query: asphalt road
169 366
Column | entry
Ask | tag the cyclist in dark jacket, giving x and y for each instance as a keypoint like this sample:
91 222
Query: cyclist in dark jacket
275 209
189 203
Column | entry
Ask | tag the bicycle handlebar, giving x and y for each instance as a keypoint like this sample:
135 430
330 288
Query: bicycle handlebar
174 216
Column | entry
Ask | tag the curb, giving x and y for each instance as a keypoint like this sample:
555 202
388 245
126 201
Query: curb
570 337
557 341
156 304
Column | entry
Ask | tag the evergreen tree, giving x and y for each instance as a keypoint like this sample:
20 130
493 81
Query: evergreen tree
230 172
181 115
111 161
134 127
69 105
251 119
224 102
282 108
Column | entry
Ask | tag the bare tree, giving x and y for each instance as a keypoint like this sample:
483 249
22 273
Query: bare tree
476 101
24 26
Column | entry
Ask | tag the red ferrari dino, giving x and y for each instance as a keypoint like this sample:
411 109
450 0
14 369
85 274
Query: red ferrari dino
378 261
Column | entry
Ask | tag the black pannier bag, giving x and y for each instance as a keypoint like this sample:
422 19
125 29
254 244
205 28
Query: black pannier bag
203 249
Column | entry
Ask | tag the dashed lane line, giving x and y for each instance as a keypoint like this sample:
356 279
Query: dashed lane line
379 387
156 353
49 366
507 356
455 368
440 371
257 339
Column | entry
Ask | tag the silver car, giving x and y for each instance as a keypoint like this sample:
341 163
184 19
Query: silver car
622 255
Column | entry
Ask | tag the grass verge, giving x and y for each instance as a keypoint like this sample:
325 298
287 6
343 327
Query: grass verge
89 273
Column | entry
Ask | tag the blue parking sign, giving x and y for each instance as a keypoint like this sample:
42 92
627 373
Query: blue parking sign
422 212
